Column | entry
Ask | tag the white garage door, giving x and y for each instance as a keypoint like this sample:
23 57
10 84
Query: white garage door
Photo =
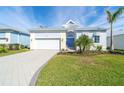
47 44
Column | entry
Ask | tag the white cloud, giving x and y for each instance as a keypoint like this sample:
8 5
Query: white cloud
78 14
17 17
118 26
23 18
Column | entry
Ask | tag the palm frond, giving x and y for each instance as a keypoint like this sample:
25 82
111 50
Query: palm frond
116 14
109 16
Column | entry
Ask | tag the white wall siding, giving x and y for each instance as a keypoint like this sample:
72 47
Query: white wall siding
118 41
102 38
32 41
78 34
63 40
47 35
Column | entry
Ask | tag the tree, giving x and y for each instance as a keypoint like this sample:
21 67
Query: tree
112 17
78 43
83 42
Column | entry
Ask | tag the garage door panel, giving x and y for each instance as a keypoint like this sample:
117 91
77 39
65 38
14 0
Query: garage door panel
47 44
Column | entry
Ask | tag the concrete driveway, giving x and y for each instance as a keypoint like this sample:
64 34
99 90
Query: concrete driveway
20 69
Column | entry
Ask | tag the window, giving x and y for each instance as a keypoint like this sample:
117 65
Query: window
70 35
96 39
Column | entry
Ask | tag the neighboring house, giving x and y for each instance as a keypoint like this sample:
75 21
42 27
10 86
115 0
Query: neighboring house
118 41
63 38
12 36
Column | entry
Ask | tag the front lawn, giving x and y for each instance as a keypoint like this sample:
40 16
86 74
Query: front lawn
67 70
10 52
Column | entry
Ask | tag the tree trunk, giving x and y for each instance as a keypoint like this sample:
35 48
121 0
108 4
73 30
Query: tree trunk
80 49
111 39
83 48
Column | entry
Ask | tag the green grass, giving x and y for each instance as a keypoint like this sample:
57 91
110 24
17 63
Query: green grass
10 52
119 50
68 70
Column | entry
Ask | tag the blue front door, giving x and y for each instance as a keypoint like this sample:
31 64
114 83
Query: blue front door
70 43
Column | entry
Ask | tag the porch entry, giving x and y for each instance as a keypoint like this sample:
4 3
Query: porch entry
70 38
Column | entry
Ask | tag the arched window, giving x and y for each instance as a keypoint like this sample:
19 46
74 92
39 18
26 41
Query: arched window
70 34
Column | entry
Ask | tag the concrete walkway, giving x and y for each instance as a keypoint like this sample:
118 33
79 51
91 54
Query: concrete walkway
19 69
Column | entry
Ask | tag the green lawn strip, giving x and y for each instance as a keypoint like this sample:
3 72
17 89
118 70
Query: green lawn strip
79 70
10 52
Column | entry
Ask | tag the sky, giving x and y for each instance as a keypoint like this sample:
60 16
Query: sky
27 17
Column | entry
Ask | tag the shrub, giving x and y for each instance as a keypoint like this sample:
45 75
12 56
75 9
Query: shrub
3 49
4 45
99 48
22 46
108 48
13 46
62 49
84 43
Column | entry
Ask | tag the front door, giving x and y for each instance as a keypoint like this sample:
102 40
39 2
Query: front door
70 43
70 40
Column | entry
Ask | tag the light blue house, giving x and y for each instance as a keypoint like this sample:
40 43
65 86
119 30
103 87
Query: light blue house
12 36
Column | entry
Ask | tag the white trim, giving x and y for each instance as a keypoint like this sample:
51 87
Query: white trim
8 36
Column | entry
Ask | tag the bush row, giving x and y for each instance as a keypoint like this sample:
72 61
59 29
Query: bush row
5 47
118 51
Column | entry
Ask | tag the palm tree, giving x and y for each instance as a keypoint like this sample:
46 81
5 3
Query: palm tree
112 17
78 43
83 42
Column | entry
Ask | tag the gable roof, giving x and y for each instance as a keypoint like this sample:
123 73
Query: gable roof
70 22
